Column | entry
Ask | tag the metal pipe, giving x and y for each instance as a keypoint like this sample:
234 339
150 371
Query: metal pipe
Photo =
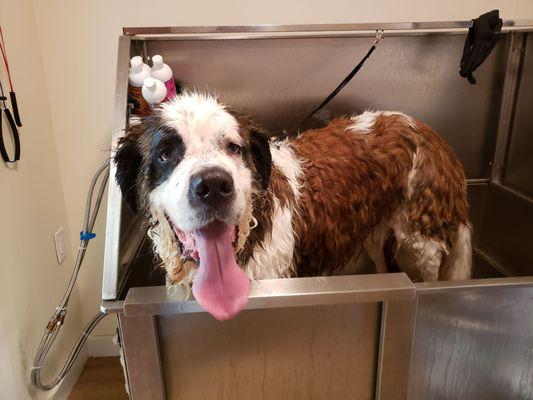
478 181
400 27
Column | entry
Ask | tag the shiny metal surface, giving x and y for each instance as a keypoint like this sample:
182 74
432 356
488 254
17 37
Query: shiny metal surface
482 266
281 293
294 74
448 287
306 338
510 88
319 352
519 195
112 307
114 198
143 362
473 341
485 266
519 169
132 237
507 232
462 330
261 31
350 336
395 349
477 194
416 75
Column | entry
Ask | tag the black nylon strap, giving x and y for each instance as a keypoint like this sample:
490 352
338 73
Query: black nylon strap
16 139
15 106
12 127
335 92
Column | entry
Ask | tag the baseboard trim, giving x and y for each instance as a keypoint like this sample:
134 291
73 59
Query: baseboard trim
102 346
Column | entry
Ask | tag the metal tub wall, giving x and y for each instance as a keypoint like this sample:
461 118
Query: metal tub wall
357 337
414 74
354 336
282 80
304 338
473 340
519 169
507 231
322 352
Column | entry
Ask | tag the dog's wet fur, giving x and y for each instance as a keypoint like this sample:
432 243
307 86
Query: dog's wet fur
382 181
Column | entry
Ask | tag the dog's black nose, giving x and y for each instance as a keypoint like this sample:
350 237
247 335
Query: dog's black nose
212 186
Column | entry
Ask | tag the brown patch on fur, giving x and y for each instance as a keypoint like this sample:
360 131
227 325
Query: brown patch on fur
350 183
353 181
439 202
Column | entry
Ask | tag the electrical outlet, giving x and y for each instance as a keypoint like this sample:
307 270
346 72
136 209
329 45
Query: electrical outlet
60 245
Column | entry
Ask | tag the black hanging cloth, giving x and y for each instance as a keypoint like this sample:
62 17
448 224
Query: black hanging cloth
482 37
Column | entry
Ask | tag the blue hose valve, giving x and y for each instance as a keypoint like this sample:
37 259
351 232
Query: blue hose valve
87 235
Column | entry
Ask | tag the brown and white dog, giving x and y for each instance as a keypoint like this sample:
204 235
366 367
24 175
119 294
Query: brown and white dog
226 203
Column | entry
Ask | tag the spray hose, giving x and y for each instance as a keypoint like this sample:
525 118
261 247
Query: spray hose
58 317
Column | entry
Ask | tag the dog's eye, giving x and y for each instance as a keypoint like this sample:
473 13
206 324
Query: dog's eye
165 153
234 148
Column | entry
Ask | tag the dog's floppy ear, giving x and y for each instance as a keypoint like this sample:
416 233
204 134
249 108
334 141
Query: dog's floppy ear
260 151
259 145
128 161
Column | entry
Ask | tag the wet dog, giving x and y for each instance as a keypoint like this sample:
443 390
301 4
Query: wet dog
227 204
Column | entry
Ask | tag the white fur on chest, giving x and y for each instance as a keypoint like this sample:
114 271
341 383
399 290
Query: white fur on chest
273 257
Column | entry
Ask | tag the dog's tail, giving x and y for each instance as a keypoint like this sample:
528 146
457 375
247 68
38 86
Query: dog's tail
458 263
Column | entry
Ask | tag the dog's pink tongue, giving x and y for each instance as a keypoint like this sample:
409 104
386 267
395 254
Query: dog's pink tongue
220 286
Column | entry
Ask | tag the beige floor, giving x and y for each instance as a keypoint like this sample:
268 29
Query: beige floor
101 379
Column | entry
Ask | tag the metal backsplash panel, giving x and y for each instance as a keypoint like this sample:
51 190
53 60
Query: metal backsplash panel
519 169
282 80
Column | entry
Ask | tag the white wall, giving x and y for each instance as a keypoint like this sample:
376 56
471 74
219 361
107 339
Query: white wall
32 207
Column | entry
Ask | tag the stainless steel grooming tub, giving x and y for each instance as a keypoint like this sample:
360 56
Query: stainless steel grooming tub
346 337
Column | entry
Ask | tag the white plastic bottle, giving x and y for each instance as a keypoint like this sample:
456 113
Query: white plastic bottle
154 91
139 71
162 71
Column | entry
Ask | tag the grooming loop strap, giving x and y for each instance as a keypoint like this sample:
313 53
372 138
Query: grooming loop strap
378 37
12 127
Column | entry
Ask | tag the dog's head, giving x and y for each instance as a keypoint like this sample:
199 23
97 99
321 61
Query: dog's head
193 167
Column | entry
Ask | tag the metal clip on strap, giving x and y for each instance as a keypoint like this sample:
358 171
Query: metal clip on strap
379 36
